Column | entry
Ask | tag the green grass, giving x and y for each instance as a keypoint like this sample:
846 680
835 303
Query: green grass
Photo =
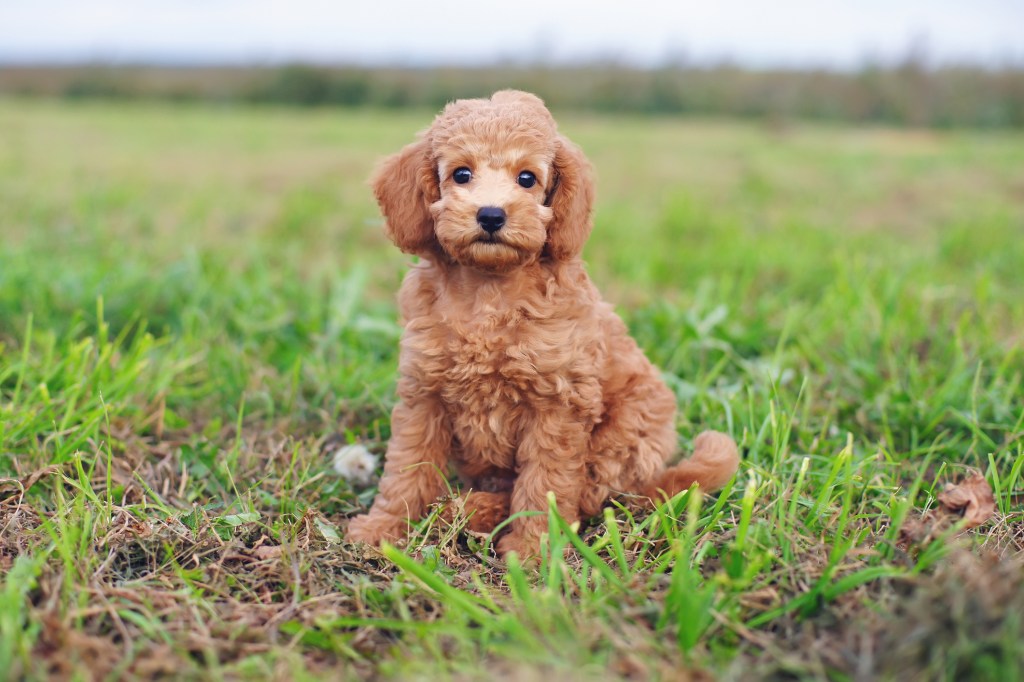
195 301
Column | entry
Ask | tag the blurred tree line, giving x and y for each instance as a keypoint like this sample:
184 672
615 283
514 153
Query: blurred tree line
905 94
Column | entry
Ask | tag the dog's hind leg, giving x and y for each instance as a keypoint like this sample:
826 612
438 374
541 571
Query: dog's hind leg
713 462
636 436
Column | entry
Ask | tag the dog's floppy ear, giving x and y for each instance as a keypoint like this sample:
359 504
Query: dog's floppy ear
571 197
405 185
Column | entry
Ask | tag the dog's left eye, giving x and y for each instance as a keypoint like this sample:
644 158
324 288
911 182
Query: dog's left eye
527 179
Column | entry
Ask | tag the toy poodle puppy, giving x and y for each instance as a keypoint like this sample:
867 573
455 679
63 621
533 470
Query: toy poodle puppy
513 371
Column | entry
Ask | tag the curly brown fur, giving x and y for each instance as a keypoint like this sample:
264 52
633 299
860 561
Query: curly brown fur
513 370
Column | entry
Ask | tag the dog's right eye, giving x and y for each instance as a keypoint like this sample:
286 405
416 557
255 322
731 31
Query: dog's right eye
462 175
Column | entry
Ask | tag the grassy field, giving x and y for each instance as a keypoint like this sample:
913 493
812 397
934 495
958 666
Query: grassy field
197 303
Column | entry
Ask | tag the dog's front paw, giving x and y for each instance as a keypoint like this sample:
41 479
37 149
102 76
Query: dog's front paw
374 529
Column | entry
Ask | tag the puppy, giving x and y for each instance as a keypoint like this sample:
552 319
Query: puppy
513 371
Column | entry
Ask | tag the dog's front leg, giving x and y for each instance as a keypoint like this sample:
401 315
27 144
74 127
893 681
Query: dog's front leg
414 471
550 458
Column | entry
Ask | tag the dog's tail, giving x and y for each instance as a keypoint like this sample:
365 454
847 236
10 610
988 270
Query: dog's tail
714 461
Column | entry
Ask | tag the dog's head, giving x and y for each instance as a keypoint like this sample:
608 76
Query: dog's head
490 185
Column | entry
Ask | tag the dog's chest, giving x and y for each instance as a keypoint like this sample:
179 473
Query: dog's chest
487 399
489 381
503 358
492 373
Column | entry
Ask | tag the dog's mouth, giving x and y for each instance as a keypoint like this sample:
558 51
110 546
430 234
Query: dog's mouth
496 250
493 244
492 253
489 238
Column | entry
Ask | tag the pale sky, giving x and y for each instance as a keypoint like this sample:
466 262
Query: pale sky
834 33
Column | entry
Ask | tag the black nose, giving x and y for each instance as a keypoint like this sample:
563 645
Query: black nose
491 218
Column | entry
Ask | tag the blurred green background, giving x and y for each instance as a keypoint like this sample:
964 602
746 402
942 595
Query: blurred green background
910 92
